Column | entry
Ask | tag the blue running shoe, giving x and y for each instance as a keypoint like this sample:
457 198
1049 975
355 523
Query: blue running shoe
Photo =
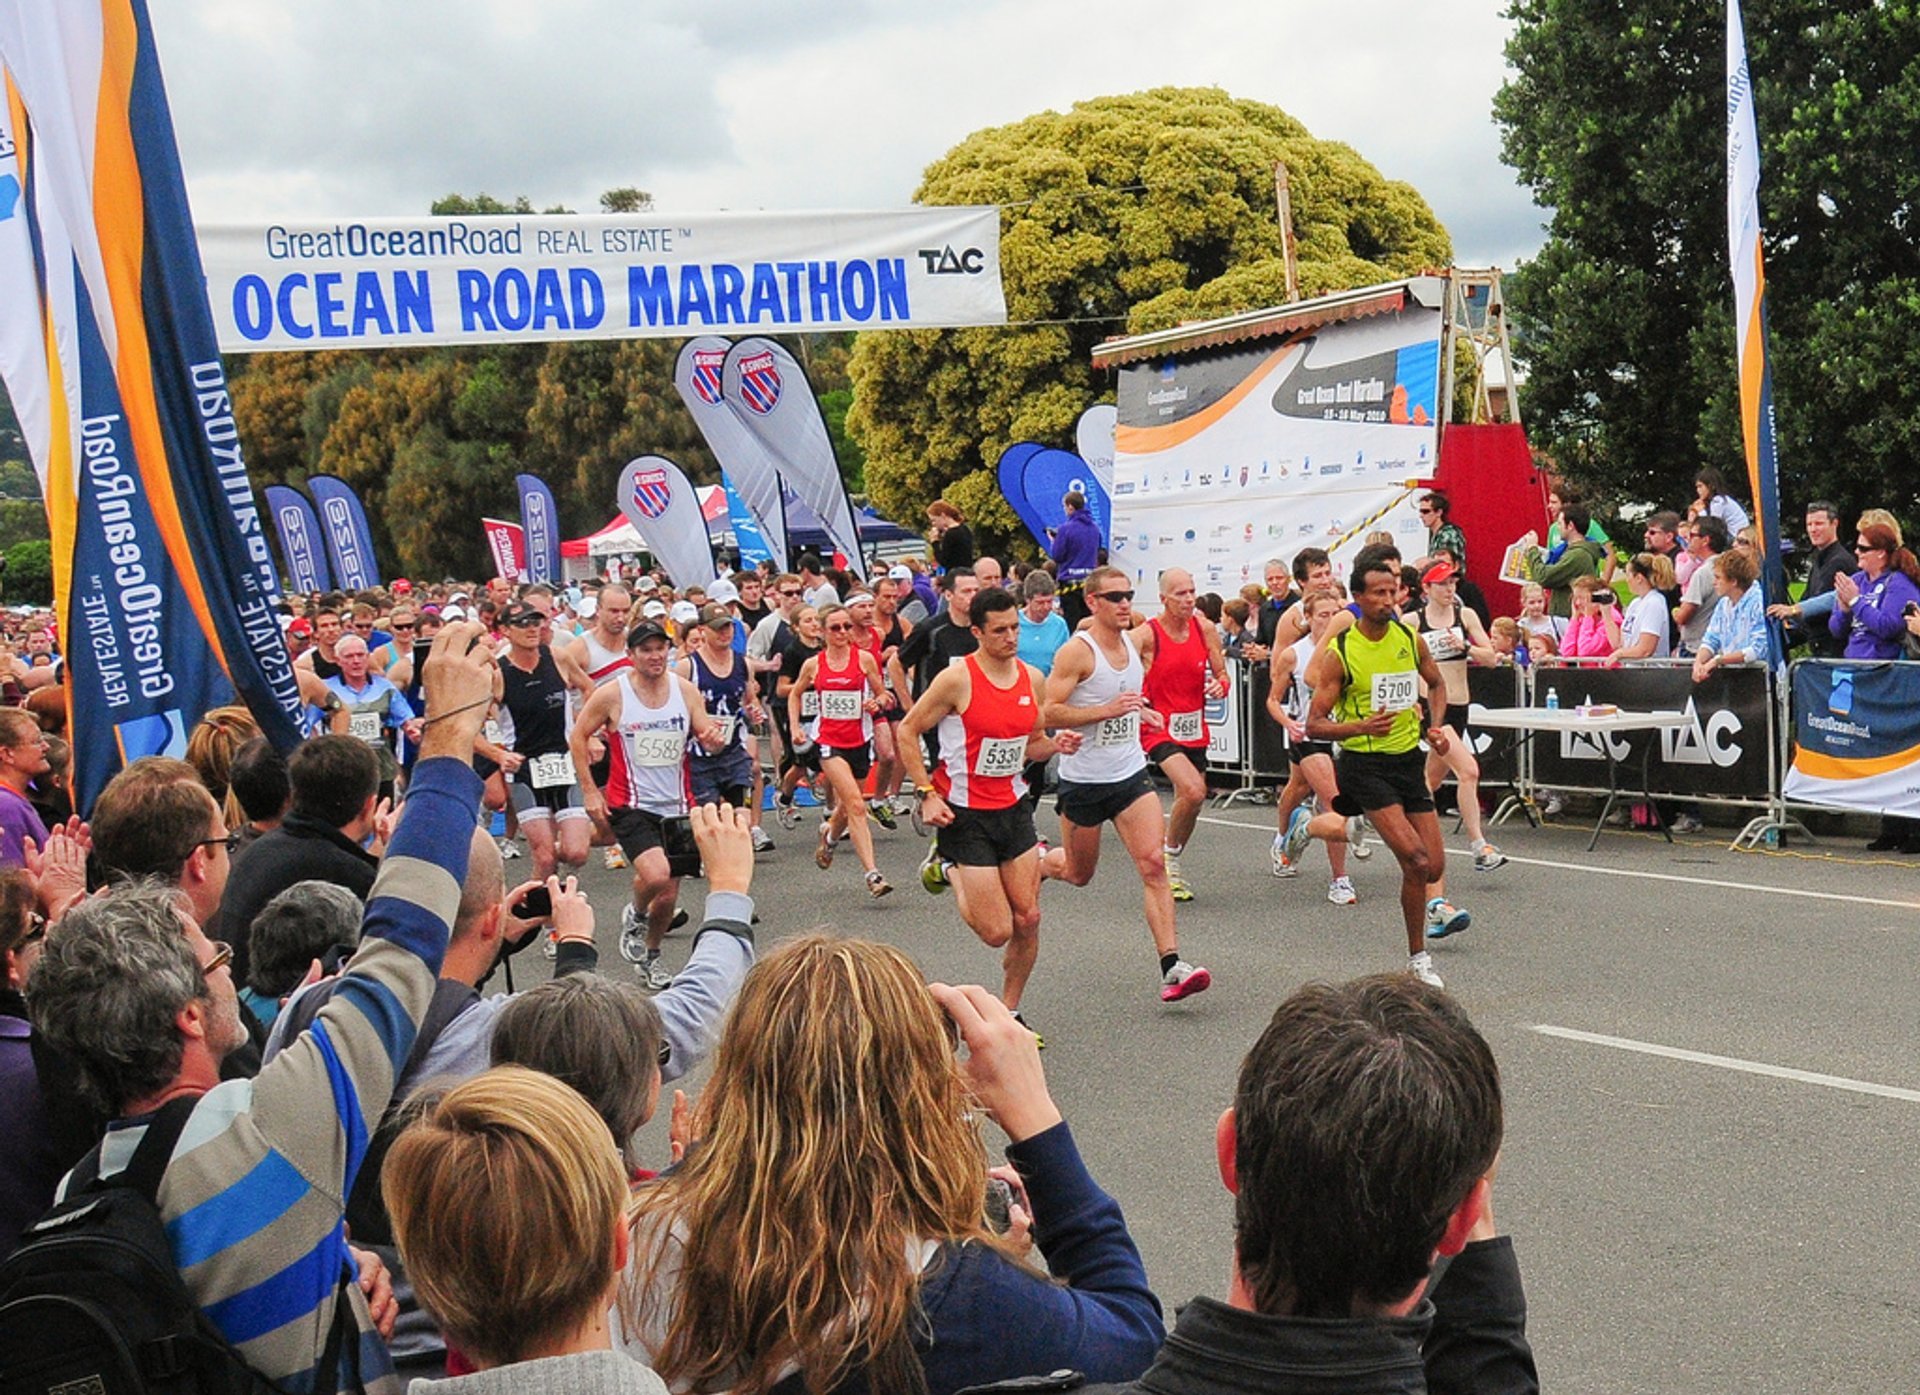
1444 919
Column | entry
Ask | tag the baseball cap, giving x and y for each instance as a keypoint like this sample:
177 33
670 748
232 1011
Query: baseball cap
645 583
643 632
654 610
686 613
301 626
522 615
587 607
453 613
717 617
723 592
900 571
402 587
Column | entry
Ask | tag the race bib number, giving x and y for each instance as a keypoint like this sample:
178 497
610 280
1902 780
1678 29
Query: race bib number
840 707
657 749
1184 727
491 731
1445 644
1001 756
727 727
551 772
365 726
1395 692
1118 731
809 705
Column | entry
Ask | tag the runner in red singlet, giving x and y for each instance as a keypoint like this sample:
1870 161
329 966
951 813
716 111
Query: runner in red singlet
847 681
1186 668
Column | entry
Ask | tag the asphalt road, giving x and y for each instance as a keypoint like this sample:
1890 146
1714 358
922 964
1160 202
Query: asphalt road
1742 1223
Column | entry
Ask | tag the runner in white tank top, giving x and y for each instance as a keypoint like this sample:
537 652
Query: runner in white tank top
647 719
1095 689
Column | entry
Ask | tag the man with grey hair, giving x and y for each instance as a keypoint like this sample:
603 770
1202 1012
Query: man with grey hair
252 1172
370 708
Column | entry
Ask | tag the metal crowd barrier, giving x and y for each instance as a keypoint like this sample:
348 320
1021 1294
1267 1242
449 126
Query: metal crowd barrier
1733 753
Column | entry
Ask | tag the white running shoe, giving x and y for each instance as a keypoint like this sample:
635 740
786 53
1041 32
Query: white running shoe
1357 842
1487 857
633 936
1181 891
1340 891
508 848
615 860
1295 840
823 850
762 840
1183 980
1283 866
550 944
1421 967
655 973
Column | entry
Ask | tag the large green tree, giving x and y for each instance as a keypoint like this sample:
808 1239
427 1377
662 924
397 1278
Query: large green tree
1615 116
1122 215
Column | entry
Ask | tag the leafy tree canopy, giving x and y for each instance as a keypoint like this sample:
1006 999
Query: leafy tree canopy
1615 116
1122 215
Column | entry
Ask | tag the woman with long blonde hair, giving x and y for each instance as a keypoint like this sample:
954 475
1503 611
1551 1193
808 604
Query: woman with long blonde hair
831 1220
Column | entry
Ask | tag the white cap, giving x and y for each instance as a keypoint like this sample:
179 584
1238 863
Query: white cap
452 613
653 610
684 612
645 583
723 592
900 571
586 607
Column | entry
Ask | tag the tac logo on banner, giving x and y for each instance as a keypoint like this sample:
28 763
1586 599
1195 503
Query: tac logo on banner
707 364
760 383
652 492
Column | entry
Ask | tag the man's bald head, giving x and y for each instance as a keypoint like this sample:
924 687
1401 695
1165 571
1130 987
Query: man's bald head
1175 579
485 885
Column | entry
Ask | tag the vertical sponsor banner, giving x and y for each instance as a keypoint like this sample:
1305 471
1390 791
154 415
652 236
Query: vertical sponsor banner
1011 474
133 644
1049 475
540 519
507 544
89 79
1750 310
349 540
748 540
660 503
770 394
1093 438
1856 737
746 463
302 544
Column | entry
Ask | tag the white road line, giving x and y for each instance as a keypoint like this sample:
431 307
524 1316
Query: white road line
1850 899
1702 1058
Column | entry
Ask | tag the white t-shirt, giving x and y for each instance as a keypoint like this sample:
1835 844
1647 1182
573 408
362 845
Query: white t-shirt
1699 590
822 595
1646 615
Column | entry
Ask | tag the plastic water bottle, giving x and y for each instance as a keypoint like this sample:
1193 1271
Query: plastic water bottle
1553 699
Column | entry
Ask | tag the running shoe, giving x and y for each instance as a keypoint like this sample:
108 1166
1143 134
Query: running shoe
615 860
882 811
655 973
933 870
1283 866
1357 843
1444 919
1181 891
818 788
680 918
787 812
1340 891
633 936
1487 857
550 944
1039 1042
878 885
1554 806
762 840
1421 967
904 804
1296 838
823 851
1687 823
508 848
1183 980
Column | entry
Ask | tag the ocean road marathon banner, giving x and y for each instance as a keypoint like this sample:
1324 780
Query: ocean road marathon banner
402 282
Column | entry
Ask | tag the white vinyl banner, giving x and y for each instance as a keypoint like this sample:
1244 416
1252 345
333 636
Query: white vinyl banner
1227 457
402 282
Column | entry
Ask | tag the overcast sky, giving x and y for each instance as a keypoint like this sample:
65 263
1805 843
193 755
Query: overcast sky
331 108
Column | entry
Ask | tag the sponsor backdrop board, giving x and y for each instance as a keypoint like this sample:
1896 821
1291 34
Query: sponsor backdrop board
1226 457
364 283
1856 737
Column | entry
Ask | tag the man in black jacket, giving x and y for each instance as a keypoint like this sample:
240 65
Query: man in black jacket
336 784
1360 1150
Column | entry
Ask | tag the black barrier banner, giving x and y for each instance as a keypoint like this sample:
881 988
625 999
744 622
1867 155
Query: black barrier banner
1498 751
1723 753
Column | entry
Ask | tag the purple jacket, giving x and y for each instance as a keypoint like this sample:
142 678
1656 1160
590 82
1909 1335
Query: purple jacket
1874 626
1076 547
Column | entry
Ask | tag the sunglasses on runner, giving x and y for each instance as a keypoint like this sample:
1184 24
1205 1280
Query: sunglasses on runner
1117 597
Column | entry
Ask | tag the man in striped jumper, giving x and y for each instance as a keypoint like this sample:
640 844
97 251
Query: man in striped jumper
253 1193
